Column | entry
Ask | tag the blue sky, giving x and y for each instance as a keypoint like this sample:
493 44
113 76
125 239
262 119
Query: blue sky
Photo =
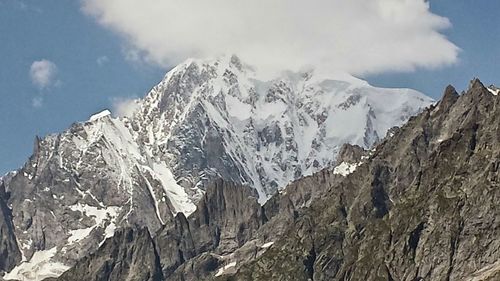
476 30
75 42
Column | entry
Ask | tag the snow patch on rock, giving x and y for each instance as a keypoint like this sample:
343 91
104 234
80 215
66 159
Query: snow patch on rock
225 269
103 217
494 91
267 245
99 115
345 168
37 268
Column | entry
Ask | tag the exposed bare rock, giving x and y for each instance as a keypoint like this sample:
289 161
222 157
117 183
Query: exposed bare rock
227 216
129 256
9 251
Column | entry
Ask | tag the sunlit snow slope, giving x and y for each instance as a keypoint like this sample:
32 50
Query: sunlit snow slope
216 118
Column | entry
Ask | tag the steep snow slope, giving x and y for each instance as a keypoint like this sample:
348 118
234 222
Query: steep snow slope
205 119
216 118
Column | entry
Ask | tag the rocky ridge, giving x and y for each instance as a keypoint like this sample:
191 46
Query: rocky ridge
228 228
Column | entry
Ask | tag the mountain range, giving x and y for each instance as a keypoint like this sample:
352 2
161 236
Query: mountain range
218 173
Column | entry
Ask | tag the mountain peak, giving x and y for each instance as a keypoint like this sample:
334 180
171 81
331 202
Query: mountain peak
206 119
100 115
479 93
475 83
450 96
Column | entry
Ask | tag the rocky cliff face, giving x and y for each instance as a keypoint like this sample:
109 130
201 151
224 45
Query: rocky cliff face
422 207
9 251
130 255
205 120
228 229
227 216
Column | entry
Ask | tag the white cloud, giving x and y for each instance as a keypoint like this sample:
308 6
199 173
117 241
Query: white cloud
357 36
132 54
37 102
21 5
43 74
102 60
124 107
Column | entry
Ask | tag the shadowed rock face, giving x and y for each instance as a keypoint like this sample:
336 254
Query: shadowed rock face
9 251
228 225
227 216
129 256
423 207
351 154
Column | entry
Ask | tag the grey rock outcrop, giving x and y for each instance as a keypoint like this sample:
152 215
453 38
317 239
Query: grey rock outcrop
351 154
227 216
9 251
129 256
228 227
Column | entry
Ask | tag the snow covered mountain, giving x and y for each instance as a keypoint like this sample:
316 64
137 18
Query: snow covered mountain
206 119
217 119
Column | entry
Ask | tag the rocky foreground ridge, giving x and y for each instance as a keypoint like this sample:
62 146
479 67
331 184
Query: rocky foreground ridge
423 205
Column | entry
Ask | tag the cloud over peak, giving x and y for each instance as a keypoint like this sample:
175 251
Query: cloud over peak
124 106
355 36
